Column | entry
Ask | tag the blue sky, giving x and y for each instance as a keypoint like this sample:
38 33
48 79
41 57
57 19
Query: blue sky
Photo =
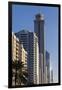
23 18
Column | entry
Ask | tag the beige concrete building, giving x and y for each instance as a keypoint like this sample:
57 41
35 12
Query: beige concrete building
24 56
18 53
15 47
15 54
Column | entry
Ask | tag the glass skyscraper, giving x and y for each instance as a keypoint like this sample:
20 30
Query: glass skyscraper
39 30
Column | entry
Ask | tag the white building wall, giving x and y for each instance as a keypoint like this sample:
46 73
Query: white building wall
38 80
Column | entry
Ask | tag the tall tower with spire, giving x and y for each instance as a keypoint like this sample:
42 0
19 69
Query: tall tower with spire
39 30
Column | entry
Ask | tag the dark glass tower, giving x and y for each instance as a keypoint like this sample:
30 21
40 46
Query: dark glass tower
39 30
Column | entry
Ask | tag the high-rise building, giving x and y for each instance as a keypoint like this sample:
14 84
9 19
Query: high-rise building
15 54
33 63
18 54
15 48
24 38
30 44
39 30
48 66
